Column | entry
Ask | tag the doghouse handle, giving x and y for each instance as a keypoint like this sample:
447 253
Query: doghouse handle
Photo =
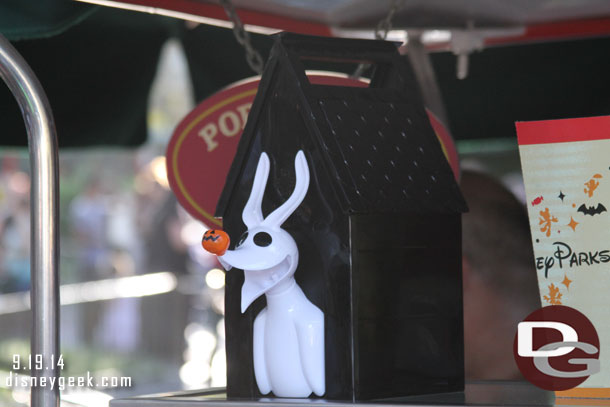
384 54
44 215
339 49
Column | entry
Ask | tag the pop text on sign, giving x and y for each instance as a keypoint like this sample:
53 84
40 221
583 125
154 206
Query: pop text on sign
229 124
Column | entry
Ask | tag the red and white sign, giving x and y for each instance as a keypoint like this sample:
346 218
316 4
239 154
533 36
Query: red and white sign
201 150
566 172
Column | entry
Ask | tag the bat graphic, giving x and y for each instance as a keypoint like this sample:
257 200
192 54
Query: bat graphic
592 210
537 201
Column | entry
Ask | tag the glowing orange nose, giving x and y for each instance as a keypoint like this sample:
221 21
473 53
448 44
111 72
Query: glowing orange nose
215 241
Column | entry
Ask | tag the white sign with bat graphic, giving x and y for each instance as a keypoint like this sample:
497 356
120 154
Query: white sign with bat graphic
566 170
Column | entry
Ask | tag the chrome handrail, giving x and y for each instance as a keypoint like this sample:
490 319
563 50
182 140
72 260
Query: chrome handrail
44 217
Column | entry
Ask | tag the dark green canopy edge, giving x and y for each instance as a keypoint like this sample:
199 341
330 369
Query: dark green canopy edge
22 20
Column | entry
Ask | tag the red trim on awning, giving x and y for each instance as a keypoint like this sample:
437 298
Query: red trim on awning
553 31
572 29
250 17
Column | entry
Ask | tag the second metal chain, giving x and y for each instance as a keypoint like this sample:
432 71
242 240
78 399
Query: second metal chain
385 25
253 57
381 32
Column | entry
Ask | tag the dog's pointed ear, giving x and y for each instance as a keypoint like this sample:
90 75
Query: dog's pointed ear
253 214
279 216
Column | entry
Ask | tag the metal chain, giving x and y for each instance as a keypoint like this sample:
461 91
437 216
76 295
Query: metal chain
381 32
385 25
253 57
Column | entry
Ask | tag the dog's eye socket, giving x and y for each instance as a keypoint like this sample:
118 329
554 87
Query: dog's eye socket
242 239
262 239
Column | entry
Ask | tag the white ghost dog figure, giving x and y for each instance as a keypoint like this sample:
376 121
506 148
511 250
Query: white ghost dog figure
288 337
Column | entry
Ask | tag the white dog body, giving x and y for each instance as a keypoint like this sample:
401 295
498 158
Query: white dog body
288 344
288 335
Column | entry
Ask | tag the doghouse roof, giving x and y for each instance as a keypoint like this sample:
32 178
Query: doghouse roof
377 143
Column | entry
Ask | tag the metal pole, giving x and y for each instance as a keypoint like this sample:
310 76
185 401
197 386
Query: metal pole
44 217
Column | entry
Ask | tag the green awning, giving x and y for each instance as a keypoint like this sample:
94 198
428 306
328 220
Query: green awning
98 74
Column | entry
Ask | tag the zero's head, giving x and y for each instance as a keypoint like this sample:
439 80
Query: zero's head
266 252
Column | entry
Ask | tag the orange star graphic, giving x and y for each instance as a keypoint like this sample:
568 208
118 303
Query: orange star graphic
566 281
572 224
